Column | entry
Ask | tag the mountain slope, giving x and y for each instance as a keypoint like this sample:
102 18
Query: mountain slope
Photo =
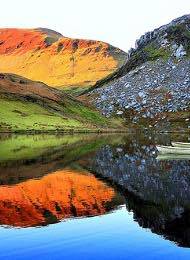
44 55
26 105
153 87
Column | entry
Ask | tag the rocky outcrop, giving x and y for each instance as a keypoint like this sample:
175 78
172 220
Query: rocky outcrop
45 55
154 94
161 34
153 86
175 35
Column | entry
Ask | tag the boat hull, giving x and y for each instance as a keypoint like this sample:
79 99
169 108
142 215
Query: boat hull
173 150
179 144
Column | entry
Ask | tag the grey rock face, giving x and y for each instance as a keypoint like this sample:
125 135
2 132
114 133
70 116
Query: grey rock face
154 80
180 52
149 91
160 34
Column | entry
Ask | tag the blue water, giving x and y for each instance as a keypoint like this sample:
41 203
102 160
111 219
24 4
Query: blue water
107 237
147 216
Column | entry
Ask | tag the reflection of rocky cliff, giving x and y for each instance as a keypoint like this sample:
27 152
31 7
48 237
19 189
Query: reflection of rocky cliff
174 226
59 195
158 192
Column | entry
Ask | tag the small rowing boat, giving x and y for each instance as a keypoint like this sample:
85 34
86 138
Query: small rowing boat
173 150
180 144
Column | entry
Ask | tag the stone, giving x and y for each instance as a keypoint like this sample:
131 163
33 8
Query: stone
180 52
119 112
141 94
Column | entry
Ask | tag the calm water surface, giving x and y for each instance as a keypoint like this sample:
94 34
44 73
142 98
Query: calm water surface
93 197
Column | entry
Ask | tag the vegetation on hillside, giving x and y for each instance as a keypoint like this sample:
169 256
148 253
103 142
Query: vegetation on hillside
26 105
18 115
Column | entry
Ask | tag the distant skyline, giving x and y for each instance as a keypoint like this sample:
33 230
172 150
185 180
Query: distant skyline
118 22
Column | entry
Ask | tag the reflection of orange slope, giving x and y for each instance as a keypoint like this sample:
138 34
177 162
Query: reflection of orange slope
46 56
59 195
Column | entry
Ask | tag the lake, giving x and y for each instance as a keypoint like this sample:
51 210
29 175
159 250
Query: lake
93 197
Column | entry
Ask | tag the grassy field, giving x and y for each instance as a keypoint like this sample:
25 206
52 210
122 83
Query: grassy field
75 90
18 115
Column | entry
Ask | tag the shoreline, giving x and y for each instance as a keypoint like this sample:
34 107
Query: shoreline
93 131
65 131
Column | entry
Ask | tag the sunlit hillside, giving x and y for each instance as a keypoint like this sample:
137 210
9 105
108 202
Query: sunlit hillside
44 55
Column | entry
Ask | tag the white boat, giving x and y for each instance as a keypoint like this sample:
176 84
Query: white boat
180 144
173 150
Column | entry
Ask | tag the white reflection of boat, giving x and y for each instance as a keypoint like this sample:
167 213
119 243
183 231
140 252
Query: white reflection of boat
162 157
180 144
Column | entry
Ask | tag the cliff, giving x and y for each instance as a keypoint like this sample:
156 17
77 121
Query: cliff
152 89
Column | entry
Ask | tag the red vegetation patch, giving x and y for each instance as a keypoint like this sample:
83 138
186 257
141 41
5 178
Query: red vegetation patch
20 40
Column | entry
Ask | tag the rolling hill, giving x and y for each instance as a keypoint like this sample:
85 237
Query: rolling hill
26 105
61 62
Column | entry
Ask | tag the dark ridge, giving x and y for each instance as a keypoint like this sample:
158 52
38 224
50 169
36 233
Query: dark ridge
50 32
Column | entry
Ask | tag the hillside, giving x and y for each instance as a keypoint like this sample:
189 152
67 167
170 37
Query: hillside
26 105
45 55
152 88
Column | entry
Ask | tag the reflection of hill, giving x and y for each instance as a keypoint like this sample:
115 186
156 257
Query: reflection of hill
59 195
158 192
25 157
23 147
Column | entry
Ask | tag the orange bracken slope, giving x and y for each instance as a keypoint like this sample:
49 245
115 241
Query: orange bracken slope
45 55
59 195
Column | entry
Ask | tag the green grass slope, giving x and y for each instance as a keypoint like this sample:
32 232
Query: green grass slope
29 106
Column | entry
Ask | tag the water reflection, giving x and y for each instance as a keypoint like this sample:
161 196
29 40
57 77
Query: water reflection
59 195
68 178
157 191
26 157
